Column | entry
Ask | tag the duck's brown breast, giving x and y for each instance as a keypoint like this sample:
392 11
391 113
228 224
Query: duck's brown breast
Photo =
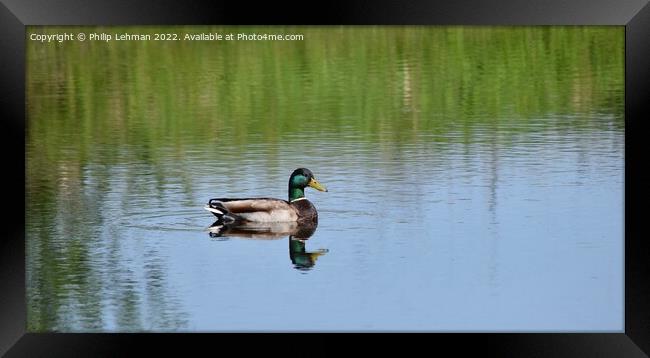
306 210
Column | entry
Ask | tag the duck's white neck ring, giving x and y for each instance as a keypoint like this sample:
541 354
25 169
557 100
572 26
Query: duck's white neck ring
303 198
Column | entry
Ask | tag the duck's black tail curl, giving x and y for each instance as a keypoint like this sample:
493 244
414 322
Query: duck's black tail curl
216 207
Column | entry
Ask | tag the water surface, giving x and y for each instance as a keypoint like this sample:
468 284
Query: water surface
475 180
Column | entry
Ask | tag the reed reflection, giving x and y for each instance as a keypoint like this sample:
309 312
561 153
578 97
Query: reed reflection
297 232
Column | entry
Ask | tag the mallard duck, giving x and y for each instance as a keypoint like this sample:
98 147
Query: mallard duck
297 208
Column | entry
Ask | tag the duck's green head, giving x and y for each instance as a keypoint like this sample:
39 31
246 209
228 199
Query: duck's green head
299 180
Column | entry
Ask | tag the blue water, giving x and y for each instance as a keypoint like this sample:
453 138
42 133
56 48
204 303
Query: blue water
484 237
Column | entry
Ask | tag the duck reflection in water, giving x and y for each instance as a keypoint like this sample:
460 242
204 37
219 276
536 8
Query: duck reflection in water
298 234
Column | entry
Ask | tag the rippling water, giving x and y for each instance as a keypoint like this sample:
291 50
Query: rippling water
475 181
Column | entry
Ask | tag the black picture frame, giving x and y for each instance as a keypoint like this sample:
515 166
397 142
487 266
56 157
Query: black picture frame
16 14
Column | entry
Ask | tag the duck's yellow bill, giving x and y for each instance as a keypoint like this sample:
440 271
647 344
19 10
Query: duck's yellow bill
316 185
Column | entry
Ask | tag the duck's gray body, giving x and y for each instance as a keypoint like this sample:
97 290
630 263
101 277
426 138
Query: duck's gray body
262 210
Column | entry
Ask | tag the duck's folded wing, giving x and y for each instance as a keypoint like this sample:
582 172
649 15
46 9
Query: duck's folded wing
248 205
259 209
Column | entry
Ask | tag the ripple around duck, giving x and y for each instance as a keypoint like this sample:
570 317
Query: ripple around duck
185 220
